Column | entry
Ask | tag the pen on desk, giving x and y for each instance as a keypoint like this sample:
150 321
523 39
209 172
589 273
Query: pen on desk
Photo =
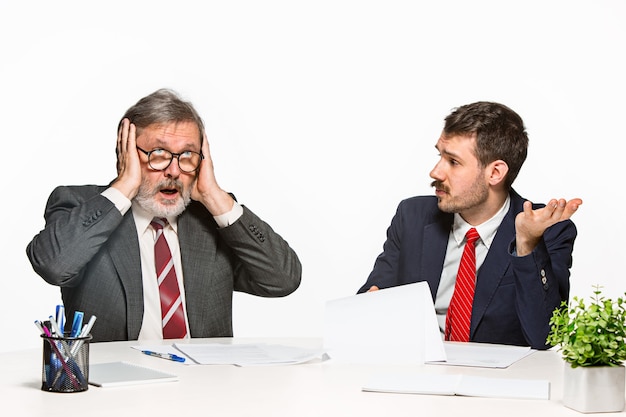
168 356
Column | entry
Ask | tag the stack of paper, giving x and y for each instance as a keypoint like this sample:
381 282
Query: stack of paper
466 385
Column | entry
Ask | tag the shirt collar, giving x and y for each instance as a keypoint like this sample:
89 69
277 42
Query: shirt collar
486 230
143 219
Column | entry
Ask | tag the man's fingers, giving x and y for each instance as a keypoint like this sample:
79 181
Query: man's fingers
528 207
124 132
205 145
557 208
131 141
563 210
571 207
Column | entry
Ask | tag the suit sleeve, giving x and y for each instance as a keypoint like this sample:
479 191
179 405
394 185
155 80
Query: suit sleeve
77 225
542 281
266 264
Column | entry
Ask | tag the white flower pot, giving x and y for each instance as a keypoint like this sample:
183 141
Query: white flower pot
594 389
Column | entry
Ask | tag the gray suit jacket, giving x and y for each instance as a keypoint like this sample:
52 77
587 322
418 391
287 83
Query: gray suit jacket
92 252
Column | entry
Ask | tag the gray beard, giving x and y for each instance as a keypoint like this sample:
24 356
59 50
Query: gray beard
145 198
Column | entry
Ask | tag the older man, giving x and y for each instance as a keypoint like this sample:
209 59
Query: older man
158 252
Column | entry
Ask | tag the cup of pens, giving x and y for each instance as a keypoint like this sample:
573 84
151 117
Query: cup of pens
65 363
65 354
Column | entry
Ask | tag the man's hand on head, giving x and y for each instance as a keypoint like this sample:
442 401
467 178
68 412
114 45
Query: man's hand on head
128 165
206 190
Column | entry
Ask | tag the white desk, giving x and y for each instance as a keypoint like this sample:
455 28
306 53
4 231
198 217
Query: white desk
313 389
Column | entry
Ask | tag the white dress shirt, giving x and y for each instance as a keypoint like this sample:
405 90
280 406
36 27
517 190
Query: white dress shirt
151 327
456 243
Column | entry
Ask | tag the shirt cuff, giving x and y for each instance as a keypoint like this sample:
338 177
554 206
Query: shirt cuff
116 197
228 218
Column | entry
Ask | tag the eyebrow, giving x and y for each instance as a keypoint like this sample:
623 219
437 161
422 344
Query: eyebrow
447 153
161 144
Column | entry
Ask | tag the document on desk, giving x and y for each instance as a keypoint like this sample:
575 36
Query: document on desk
464 385
483 355
246 354
114 374
393 325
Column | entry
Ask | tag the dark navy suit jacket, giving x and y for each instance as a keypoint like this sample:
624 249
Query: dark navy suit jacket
514 296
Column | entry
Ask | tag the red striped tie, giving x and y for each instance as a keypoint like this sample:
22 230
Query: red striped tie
172 315
460 309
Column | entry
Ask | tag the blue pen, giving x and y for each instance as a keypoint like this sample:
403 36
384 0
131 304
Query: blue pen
84 333
77 324
60 317
168 356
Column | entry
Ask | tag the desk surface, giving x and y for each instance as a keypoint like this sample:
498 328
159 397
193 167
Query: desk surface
317 388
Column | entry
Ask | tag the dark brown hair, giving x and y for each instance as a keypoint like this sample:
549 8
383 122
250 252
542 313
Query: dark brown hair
499 131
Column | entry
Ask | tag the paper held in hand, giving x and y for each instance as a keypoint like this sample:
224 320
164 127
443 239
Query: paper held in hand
393 325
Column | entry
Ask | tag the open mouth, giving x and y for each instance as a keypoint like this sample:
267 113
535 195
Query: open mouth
169 192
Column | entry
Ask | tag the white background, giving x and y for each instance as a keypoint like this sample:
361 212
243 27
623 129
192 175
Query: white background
322 115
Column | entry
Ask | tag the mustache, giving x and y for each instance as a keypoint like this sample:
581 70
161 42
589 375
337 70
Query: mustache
169 184
439 186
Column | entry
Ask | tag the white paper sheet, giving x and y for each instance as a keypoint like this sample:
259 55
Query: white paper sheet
484 355
393 325
466 385
114 374
236 354
247 354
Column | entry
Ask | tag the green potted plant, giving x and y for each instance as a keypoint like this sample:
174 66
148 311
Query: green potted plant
592 339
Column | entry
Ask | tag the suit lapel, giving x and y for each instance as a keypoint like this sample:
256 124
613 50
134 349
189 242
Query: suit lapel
434 248
195 251
495 265
123 249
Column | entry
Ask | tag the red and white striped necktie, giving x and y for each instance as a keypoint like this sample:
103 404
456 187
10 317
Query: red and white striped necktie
172 314
460 309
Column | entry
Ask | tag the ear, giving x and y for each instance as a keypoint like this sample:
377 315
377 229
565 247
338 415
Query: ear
496 172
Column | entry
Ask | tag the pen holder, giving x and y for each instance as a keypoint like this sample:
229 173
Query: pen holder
65 364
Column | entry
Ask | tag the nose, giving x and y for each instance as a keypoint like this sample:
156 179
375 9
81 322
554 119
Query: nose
172 170
436 173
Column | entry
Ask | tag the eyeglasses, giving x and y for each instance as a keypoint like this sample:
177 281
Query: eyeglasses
159 159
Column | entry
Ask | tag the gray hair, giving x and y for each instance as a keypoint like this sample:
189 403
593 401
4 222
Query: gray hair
162 106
